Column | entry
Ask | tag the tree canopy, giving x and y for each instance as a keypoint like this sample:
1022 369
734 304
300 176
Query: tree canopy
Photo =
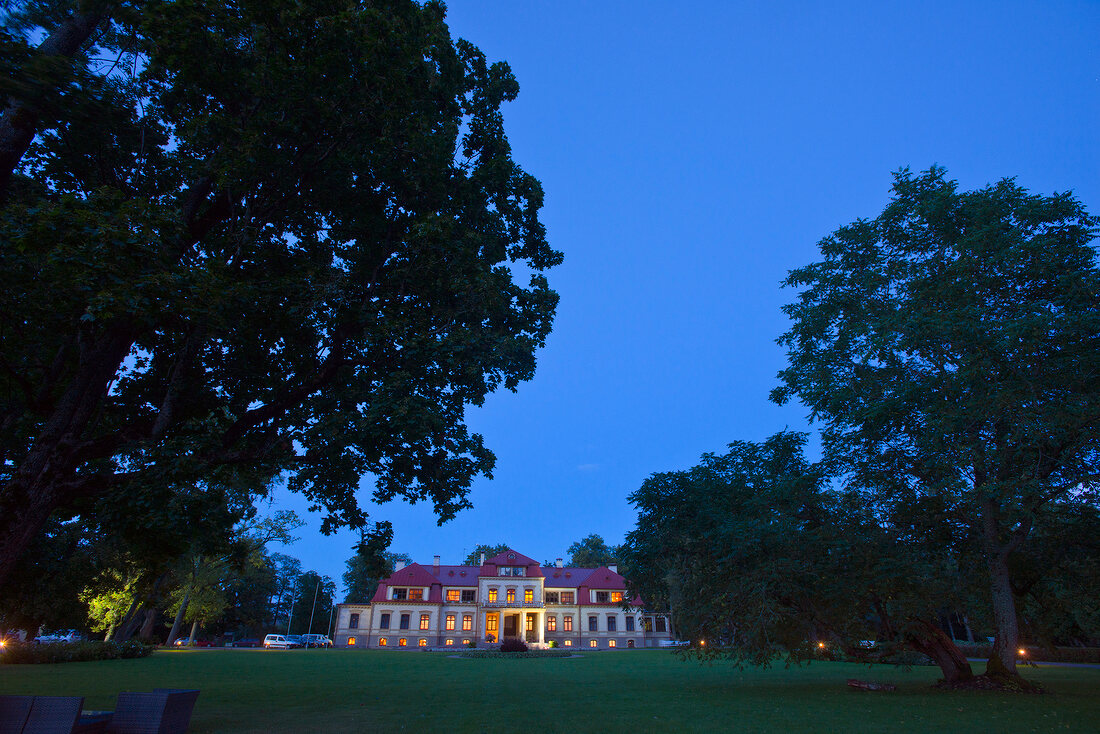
592 552
951 349
473 558
255 240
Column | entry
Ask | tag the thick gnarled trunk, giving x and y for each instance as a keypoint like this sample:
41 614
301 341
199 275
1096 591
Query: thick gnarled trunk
934 643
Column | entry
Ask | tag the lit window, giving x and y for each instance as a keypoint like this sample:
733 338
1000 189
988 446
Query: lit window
353 621
384 621
647 624
530 625
612 623
467 622
490 623
567 623
423 643
403 642
593 623
528 595
660 624
404 621
611 643
592 643
449 641
450 621
351 642
424 619
466 641
602 597
492 594
510 596
381 642
616 596
453 594
569 643
416 594
568 597
551 624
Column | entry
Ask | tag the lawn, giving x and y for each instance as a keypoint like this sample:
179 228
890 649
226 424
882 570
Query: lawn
635 691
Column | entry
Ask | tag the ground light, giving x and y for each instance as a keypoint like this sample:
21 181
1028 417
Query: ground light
821 645
1022 651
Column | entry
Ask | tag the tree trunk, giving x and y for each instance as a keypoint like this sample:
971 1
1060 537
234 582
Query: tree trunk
194 631
179 619
146 632
943 650
19 122
1003 659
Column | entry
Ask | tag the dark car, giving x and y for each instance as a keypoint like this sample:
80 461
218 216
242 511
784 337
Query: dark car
250 642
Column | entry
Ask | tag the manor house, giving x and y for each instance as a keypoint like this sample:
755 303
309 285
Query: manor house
508 595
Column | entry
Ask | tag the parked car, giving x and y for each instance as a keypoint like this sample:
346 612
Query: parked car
247 642
276 642
295 640
61 636
313 640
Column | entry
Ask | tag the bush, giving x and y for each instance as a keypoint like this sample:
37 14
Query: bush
479 654
1041 654
73 652
513 644
471 644
553 644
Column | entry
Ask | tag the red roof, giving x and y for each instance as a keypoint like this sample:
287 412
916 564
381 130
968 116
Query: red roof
510 557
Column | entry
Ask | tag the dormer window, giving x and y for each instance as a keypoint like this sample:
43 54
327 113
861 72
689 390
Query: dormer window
603 597
512 571
400 594
616 597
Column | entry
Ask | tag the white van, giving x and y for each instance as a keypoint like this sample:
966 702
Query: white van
275 641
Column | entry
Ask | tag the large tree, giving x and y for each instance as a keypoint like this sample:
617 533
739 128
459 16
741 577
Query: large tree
951 348
592 552
251 240
364 574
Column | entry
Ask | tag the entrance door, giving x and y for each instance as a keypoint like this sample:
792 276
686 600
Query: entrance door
511 624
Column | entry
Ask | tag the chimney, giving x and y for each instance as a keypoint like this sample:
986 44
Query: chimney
398 566
614 568
435 564
482 559
557 562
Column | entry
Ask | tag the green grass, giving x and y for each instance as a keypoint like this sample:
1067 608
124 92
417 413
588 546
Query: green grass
636 691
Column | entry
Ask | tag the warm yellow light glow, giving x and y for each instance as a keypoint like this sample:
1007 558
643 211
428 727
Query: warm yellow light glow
702 643
1023 651
821 645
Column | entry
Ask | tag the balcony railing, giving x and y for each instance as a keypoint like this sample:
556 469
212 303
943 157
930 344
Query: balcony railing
514 604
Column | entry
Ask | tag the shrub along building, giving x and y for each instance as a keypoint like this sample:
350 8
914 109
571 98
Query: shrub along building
509 595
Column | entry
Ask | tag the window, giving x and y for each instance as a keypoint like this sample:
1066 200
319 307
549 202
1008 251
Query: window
513 571
351 641
383 621
466 642
593 623
450 621
468 596
530 624
400 594
403 642
416 595
568 597
551 597
424 619
616 597
592 643
567 623
453 594
490 623
449 642
404 621
382 642
630 643
551 624
602 597
611 643
423 643
353 621
569 643
492 594
612 623
510 596
647 624
467 622
660 624
528 596
630 624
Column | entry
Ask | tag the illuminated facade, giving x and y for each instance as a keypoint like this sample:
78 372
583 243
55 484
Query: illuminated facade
509 595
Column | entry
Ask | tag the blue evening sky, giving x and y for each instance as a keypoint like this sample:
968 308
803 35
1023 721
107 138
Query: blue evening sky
692 153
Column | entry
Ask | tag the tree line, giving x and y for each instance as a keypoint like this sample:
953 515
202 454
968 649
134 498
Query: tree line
950 351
